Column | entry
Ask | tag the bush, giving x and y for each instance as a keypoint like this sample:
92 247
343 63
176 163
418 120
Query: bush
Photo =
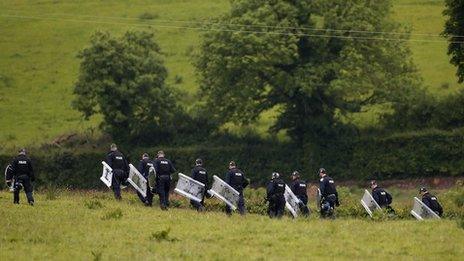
114 214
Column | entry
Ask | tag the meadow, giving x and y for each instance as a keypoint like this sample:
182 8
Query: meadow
91 225
40 41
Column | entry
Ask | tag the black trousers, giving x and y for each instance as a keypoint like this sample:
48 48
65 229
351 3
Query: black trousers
241 205
23 181
328 205
276 206
163 187
148 199
118 178
200 206
304 205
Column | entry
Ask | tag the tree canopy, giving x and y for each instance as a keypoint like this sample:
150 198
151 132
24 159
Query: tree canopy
454 31
124 80
307 58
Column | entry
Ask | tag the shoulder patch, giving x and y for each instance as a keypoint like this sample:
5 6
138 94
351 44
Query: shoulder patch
331 181
322 179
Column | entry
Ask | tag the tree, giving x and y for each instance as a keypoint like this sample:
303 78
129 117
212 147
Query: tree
267 54
454 31
124 80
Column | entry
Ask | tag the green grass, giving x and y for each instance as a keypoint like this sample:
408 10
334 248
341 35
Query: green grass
67 228
38 63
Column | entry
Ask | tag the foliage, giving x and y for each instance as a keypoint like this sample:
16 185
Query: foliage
124 80
311 80
424 111
93 204
454 31
163 235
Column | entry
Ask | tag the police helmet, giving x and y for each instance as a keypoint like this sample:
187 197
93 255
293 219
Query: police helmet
275 175
322 170
296 174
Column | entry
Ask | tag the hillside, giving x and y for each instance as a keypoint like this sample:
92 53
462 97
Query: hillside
40 40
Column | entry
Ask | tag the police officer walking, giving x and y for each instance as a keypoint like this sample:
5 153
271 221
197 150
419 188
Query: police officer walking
21 175
144 168
236 179
299 188
200 174
329 194
275 196
118 162
382 197
431 201
163 169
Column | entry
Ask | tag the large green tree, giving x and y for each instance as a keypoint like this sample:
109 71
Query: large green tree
123 79
454 31
267 54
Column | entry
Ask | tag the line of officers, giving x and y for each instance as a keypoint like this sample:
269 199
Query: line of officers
234 177
19 175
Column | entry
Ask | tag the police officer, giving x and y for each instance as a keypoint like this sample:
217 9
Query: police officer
21 176
144 168
117 161
382 197
299 188
275 196
329 194
236 179
163 169
200 174
431 201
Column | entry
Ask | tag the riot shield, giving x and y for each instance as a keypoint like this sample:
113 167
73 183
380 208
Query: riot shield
224 192
107 174
190 188
369 204
318 198
137 180
291 202
420 211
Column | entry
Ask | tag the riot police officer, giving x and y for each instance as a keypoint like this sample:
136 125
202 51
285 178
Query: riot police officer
329 194
275 196
21 175
163 169
144 168
382 197
431 201
299 188
237 180
118 162
200 174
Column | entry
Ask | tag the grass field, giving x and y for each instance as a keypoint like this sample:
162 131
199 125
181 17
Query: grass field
38 48
75 227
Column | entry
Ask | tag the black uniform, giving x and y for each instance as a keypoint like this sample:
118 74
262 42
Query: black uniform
299 188
163 169
117 161
23 175
200 174
144 169
383 198
432 202
236 179
329 195
275 196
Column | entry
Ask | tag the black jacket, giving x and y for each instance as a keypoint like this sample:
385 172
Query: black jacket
299 188
22 165
236 179
117 161
200 174
163 167
432 202
327 187
382 197
275 187
144 167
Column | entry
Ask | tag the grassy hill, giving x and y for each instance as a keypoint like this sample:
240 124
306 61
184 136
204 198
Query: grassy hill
93 226
40 40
